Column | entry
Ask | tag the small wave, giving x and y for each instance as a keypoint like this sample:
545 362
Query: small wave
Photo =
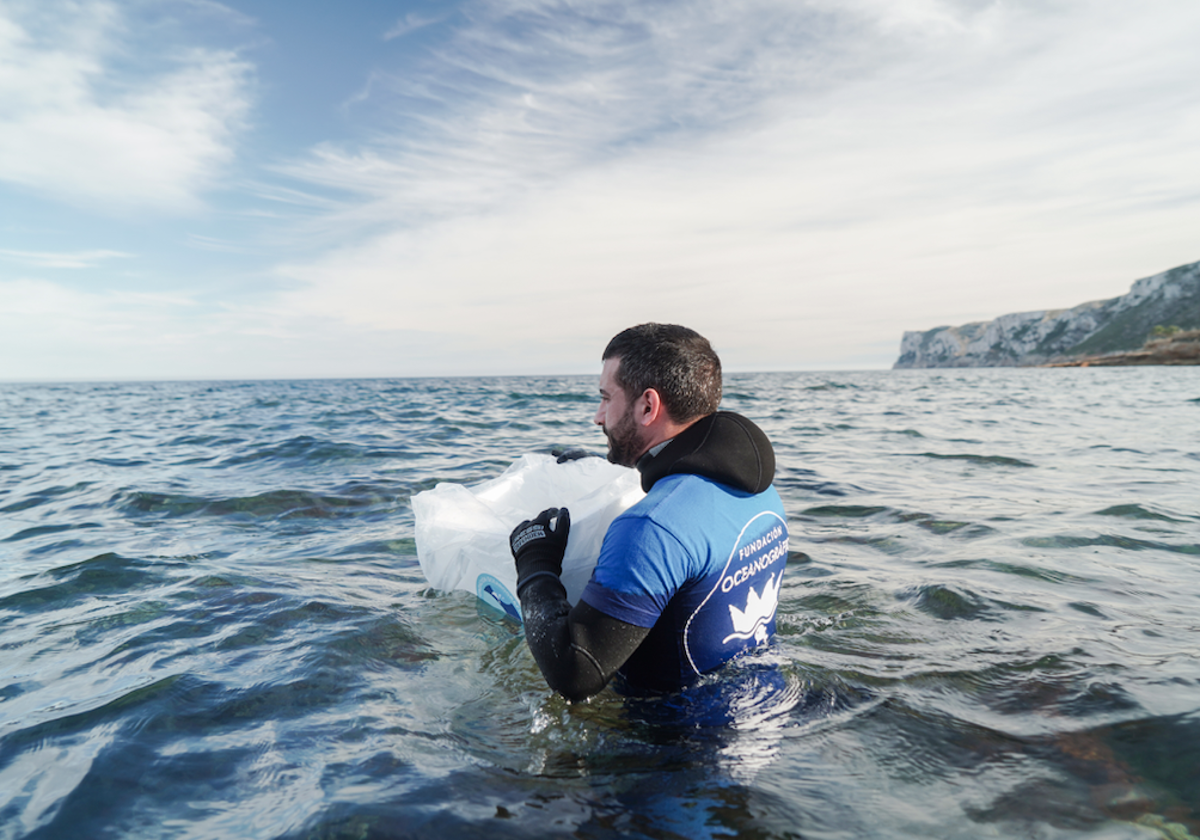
55 547
458 425
1103 699
311 450
205 440
1109 540
1048 575
170 504
41 530
981 460
960 530
830 386
105 574
282 504
823 488
948 603
1086 608
886 544
951 603
43 496
1135 512
806 430
385 643
113 708
192 462
845 511
558 398
941 526
401 547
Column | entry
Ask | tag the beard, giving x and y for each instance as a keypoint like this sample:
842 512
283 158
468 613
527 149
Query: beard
624 443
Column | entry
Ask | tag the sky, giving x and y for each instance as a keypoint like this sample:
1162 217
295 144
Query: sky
192 189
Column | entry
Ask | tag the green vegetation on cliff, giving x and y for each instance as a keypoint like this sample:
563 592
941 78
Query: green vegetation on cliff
1128 330
1165 346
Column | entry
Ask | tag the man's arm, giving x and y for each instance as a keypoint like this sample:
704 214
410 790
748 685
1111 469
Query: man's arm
577 648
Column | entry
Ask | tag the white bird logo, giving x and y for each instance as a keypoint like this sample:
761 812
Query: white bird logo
760 609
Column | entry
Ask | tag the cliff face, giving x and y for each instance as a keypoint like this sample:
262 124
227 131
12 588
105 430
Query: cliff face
1116 325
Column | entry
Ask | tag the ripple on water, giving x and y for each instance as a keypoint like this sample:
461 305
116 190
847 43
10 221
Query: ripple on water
42 530
1136 512
844 511
1108 540
305 449
278 504
105 574
950 603
41 497
979 460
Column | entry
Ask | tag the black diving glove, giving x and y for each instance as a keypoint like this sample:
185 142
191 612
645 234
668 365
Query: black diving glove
538 547
564 455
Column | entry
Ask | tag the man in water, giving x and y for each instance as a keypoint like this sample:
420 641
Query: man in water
689 576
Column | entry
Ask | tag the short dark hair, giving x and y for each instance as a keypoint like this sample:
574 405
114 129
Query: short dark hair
675 361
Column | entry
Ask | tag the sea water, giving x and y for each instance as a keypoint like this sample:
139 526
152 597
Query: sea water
213 623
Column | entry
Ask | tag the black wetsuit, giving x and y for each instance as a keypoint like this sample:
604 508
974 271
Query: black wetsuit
687 578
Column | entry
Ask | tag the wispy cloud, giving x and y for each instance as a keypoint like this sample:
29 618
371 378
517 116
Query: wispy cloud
408 24
78 259
527 92
79 128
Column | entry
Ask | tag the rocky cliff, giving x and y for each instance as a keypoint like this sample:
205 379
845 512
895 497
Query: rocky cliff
1117 325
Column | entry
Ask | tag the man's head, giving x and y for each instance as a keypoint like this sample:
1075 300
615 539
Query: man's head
657 380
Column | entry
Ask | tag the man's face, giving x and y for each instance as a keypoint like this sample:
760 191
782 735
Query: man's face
615 416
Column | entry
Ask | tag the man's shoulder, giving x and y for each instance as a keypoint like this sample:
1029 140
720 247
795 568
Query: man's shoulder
687 504
682 488
672 494
671 514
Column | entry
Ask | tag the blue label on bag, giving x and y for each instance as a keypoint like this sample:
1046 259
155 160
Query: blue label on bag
496 595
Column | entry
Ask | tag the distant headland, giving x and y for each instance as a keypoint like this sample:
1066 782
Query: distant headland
1157 323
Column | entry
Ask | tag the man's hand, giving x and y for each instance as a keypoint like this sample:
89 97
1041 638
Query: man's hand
538 546
564 455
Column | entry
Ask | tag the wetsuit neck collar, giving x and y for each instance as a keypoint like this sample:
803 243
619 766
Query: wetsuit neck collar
724 447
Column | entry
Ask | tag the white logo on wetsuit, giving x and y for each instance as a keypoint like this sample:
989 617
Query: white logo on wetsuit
760 609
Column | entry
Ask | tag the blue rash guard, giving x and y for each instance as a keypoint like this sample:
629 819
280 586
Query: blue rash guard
699 563
687 578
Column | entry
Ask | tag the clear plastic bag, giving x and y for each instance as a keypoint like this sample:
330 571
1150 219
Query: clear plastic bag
462 532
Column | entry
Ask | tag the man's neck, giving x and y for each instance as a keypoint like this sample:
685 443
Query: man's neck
658 447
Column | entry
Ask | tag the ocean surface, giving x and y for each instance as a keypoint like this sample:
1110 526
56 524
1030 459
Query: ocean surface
213 623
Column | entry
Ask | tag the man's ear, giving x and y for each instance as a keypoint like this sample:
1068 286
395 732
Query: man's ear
649 407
